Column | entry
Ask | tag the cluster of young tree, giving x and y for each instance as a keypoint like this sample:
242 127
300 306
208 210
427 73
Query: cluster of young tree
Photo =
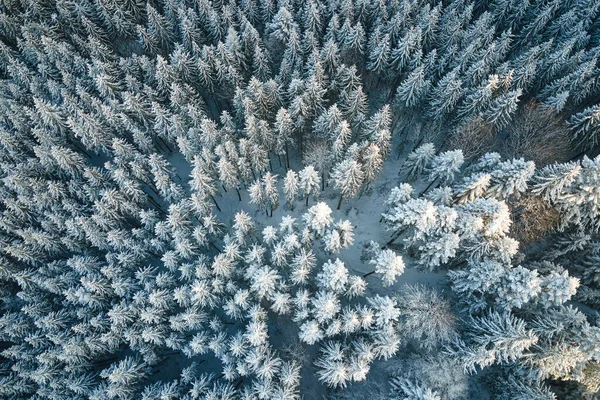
112 260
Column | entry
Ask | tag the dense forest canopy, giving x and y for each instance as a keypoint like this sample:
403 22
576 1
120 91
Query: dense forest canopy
283 199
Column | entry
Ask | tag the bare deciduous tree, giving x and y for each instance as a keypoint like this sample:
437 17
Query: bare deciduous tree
474 138
533 218
538 134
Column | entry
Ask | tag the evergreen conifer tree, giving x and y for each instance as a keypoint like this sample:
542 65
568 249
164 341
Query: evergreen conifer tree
347 177
309 181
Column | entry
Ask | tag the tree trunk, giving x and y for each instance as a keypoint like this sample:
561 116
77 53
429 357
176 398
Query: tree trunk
394 237
166 145
392 94
322 181
287 156
401 148
456 263
340 201
368 273
239 195
428 186
214 247
104 362
82 149
216 204
468 164
170 353
153 188
576 156
418 143
364 189
307 201
156 205
223 186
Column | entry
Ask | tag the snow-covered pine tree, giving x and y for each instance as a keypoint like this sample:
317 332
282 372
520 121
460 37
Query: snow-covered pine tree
419 160
445 95
290 187
318 218
585 126
256 192
347 177
427 318
309 182
371 158
502 108
228 174
551 181
202 182
472 187
389 265
445 166
494 338
510 178
284 128
271 192
379 45
410 390
413 90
